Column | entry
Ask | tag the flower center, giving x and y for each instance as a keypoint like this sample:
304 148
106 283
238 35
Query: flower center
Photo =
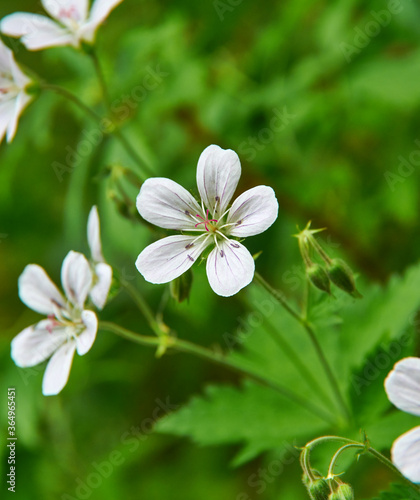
69 13
207 222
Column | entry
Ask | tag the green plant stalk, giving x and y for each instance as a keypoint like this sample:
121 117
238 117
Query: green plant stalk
299 365
171 342
142 162
320 353
74 99
144 308
144 172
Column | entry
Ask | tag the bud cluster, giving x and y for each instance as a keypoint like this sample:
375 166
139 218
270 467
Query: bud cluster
327 488
330 271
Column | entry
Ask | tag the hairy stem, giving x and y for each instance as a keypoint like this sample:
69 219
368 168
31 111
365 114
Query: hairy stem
320 353
142 162
185 346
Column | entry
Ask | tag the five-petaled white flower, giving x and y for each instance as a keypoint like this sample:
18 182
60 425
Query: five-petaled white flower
68 327
72 24
403 388
163 202
13 96
102 272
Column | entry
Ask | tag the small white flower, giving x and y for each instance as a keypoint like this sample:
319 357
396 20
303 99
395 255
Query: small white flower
71 25
13 96
68 327
403 388
163 202
102 272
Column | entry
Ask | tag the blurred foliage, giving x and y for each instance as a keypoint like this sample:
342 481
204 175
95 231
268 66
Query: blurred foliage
337 139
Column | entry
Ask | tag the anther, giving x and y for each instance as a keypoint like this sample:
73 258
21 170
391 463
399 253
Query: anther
191 259
234 245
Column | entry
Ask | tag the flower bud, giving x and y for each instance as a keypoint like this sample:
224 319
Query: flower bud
319 489
181 287
343 492
342 277
319 277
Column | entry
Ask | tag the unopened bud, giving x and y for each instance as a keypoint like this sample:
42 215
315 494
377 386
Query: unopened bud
343 492
181 287
319 277
319 489
342 277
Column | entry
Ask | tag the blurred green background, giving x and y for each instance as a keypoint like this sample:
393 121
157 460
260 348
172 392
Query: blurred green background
319 100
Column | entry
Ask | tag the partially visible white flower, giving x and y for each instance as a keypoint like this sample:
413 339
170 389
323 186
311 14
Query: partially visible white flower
13 96
72 23
403 388
68 326
163 202
102 272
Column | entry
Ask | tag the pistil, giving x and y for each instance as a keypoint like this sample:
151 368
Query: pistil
207 222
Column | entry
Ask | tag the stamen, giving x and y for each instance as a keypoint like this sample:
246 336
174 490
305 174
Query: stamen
189 256
223 236
234 245
227 211
217 199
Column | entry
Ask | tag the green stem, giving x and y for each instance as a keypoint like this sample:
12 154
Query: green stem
75 100
320 353
337 455
299 365
142 162
185 346
144 308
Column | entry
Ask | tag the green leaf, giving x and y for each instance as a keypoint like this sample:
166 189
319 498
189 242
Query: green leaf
367 394
398 492
254 416
382 316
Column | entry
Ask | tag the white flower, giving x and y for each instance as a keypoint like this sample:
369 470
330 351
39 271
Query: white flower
68 327
403 388
71 25
163 202
102 272
13 97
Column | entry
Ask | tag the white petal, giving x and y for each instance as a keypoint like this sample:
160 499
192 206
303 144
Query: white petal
218 173
168 258
37 32
99 12
8 66
99 292
4 58
58 369
76 278
403 385
64 10
229 268
166 204
94 235
406 454
7 110
38 292
36 343
86 339
253 212
19 77
21 102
